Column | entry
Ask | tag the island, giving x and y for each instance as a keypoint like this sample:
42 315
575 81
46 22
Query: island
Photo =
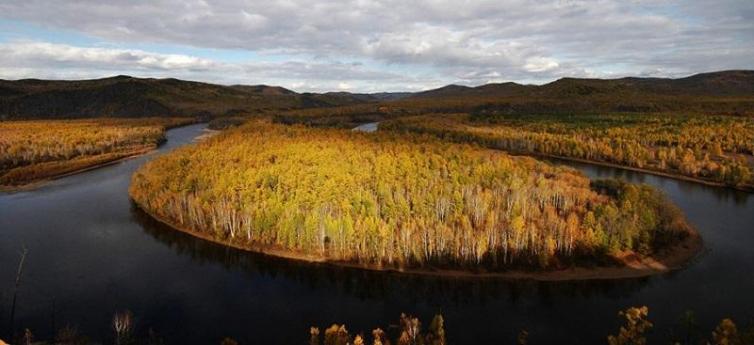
411 203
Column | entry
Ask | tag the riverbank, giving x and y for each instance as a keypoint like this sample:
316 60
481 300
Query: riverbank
29 177
584 138
743 188
73 167
633 266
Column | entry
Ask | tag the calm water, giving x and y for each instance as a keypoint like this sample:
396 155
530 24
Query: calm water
91 254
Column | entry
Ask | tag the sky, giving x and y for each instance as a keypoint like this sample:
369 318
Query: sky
373 46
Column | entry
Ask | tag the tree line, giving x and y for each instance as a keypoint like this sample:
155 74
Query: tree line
712 148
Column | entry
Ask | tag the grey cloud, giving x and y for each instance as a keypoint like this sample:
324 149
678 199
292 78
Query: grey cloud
460 41
60 61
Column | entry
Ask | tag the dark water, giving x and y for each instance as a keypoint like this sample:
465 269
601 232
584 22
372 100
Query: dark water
91 254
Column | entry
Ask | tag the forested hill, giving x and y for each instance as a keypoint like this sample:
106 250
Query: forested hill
125 96
724 83
725 92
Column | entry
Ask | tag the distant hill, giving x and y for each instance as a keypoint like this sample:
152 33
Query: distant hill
372 97
445 91
124 96
725 92
724 83
728 92
264 89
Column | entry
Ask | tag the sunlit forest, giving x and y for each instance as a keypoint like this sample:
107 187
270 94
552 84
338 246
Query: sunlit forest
711 148
397 200
33 150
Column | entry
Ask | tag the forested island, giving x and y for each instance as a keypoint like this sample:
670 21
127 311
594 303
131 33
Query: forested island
409 202
35 150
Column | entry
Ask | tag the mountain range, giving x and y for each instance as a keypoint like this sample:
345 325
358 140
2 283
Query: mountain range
124 96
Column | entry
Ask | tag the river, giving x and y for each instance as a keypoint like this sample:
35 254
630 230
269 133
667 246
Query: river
92 254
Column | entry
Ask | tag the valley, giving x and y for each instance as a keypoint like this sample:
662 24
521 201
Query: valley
460 198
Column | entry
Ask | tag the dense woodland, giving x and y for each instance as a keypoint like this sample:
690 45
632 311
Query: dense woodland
397 200
712 148
30 150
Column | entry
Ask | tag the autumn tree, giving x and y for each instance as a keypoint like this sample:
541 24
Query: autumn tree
726 333
633 332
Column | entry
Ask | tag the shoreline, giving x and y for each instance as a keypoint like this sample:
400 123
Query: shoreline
743 188
47 179
668 259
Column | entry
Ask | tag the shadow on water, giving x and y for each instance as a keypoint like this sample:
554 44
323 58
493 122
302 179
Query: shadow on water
375 285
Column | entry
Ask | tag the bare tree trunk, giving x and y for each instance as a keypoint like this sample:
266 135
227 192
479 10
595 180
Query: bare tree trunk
19 272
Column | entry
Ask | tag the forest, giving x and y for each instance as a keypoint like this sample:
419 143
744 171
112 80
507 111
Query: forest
398 200
39 149
718 149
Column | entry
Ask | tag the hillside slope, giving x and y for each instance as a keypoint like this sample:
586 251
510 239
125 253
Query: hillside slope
725 92
125 96
723 83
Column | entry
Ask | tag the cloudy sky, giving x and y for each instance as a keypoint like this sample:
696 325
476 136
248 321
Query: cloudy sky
373 45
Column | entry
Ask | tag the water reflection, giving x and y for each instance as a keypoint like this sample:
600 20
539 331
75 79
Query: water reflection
367 284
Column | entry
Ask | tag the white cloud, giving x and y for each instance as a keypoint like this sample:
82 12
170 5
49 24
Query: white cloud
344 86
25 53
540 64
